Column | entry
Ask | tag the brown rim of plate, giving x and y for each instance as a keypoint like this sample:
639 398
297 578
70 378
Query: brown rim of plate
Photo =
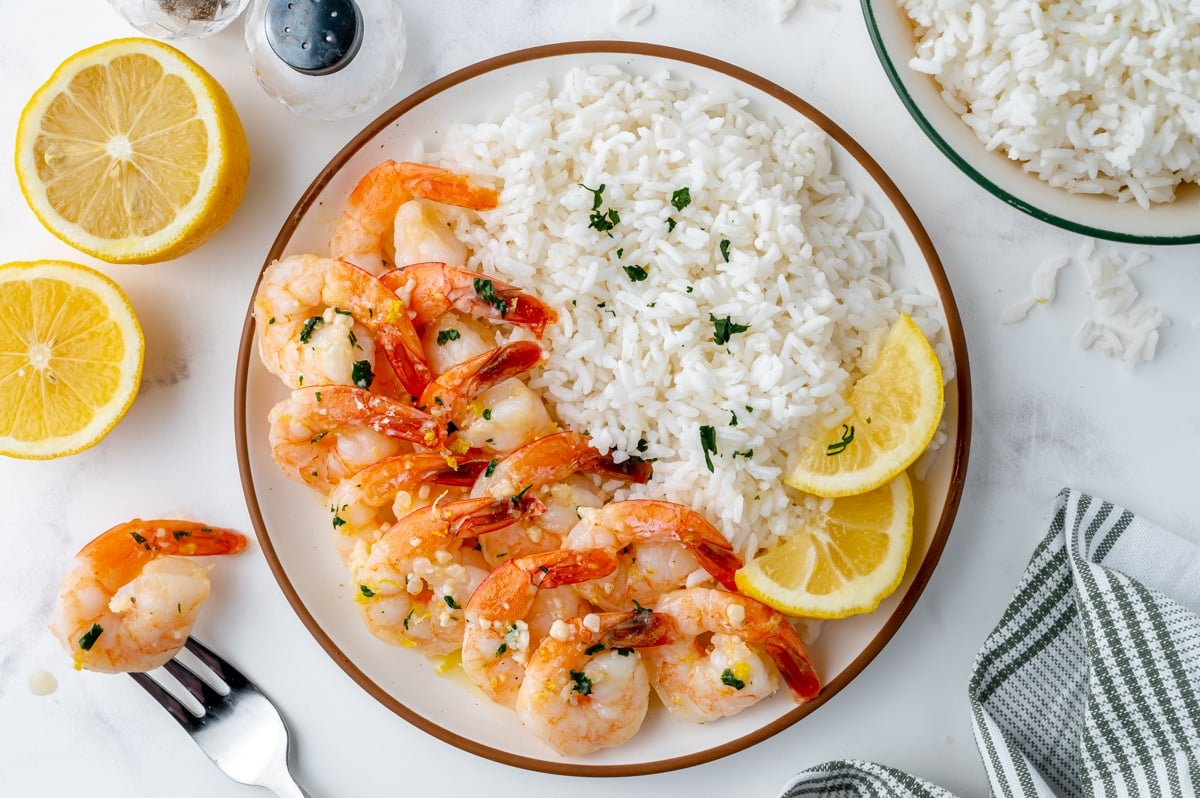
954 327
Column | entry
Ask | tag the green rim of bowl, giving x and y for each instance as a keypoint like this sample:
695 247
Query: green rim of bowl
889 66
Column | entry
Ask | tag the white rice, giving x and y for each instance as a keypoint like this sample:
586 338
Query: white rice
1092 97
634 362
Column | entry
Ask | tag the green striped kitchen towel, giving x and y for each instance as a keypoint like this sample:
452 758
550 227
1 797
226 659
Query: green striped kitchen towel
1090 683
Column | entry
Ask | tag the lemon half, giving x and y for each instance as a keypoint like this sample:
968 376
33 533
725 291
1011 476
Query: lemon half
71 353
132 153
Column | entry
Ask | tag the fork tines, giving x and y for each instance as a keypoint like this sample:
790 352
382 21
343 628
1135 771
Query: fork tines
210 698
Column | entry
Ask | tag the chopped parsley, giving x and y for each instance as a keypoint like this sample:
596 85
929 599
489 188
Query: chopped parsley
501 649
708 442
180 534
671 224
729 679
89 637
446 336
642 445
582 684
635 273
725 328
369 593
603 221
338 521
748 453
732 419
451 603
487 414
594 648
487 291
839 447
681 198
137 538
491 468
307 330
362 374
408 618
597 195
725 249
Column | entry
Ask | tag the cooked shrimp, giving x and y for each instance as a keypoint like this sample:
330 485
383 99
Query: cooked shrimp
363 505
363 233
433 289
504 418
511 612
663 545
127 604
420 234
452 339
549 468
584 687
449 396
319 320
418 576
321 435
729 651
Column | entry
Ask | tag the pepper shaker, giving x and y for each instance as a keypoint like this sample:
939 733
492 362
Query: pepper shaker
326 59
179 19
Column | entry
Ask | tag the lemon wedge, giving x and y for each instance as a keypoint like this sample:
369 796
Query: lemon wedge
847 561
131 152
71 354
895 409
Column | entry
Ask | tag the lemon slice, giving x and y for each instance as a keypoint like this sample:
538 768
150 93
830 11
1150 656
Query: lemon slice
845 563
894 412
70 358
131 152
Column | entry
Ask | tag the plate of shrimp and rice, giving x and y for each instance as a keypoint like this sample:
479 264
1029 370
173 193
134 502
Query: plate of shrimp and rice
518 385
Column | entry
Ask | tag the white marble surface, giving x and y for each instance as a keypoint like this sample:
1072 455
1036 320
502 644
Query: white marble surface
1046 415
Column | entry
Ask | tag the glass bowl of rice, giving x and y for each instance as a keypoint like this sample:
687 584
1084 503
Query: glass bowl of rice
1083 118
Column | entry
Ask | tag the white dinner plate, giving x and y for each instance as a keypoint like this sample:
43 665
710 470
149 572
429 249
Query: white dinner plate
1100 216
293 526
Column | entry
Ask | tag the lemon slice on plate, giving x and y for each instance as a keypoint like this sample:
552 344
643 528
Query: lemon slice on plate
71 355
847 561
895 409
132 153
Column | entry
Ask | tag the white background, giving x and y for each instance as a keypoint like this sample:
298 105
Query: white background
1046 416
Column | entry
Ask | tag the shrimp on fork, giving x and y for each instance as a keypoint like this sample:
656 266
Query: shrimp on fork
586 687
361 233
323 434
320 319
663 544
717 666
512 610
133 594
551 467
418 576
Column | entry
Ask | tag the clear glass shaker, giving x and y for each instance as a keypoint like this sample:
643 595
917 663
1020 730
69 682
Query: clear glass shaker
326 59
179 19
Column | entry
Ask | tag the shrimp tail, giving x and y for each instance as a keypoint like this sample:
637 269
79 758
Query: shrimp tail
551 569
719 560
118 554
449 188
448 395
637 629
794 665
470 518
435 288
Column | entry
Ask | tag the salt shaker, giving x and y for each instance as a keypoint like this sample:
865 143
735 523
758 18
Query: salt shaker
326 59
179 19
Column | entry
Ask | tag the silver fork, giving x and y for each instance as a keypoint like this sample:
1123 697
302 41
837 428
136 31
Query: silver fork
241 731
